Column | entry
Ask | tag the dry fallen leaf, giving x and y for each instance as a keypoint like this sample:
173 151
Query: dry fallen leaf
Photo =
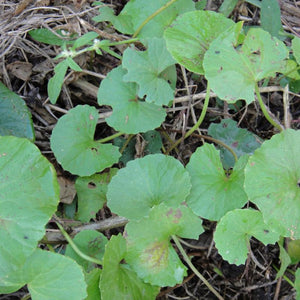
20 69
67 190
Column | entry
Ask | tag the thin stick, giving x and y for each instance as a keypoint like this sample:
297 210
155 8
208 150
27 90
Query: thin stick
195 127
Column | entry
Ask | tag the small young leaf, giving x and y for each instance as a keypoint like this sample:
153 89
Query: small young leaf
73 65
232 72
272 182
153 179
118 281
53 276
214 193
73 145
284 261
28 198
136 12
296 48
149 251
240 140
270 17
91 193
91 243
130 115
146 69
55 83
46 36
190 35
15 117
153 142
85 39
234 231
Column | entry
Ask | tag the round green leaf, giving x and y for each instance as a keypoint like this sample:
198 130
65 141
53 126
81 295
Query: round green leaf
213 192
147 182
91 243
91 193
234 231
149 251
29 195
130 115
233 71
73 144
53 276
272 182
125 282
190 35
148 70
92 280
15 117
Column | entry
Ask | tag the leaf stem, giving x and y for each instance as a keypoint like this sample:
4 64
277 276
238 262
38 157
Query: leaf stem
264 110
193 268
200 120
111 137
152 16
76 249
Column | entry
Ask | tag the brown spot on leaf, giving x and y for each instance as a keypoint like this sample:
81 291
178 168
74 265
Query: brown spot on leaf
91 117
235 144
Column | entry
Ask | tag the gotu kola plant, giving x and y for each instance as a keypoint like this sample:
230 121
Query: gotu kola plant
161 199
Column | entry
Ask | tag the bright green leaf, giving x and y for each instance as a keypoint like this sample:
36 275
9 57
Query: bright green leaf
291 70
240 140
233 72
136 12
15 118
190 35
213 192
29 194
92 280
73 144
91 243
149 251
296 48
270 17
91 193
294 251
147 182
118 281
234 231
55 83
272 182
130 115
146 69
53 276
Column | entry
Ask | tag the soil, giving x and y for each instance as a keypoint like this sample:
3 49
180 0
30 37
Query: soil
26 66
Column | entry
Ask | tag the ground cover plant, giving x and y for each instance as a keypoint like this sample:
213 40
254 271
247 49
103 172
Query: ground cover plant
243 187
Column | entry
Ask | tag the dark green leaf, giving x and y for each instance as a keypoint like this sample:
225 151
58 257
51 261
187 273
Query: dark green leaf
270 17
240 140
15 118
